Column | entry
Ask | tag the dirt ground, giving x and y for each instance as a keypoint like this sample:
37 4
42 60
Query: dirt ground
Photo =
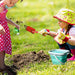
20 60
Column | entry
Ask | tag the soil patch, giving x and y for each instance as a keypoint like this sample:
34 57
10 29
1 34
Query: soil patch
20 60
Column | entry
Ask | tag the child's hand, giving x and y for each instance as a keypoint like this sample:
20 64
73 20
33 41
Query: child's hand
17 26
2 30
61 38
44 32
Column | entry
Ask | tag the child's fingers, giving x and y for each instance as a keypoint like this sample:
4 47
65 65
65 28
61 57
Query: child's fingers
18 27
2 31
44 34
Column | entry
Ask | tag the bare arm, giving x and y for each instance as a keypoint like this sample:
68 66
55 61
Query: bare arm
71 41
12 23
53 34
2 30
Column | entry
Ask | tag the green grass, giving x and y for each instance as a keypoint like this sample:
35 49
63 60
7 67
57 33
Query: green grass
42 11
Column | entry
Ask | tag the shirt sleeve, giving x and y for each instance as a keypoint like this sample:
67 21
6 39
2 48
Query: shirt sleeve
72 31
59 30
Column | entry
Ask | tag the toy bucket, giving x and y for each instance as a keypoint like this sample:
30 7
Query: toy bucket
58 56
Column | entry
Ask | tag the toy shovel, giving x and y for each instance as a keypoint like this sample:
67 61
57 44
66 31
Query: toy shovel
30 29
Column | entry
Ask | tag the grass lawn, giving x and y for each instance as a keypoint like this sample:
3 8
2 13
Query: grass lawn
39 15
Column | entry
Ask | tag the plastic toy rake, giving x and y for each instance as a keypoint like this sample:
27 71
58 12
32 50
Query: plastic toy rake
30 29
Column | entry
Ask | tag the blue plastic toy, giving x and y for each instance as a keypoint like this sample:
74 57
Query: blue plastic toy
58 56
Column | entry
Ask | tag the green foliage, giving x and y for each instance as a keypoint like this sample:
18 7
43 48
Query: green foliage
39 15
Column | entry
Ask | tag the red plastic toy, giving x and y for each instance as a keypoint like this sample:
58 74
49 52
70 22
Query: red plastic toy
30 29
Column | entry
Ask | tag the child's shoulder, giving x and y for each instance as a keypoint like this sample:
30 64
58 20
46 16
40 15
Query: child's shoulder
72 28
60 30
72 31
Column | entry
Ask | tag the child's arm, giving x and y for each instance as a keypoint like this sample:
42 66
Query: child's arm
45 32
52 33
2 30
64 38
12 23
71 41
